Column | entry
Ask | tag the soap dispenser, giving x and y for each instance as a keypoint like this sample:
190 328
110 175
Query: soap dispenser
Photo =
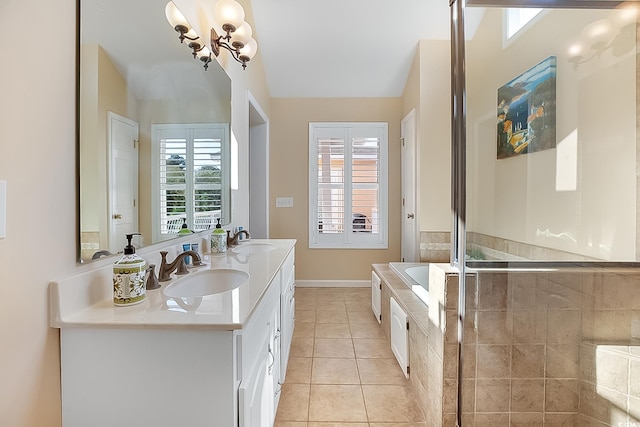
218 239
184 229
128 276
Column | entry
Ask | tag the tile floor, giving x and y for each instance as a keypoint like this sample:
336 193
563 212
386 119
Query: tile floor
341 370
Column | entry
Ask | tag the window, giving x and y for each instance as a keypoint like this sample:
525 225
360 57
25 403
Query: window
348 185
517 18
188 183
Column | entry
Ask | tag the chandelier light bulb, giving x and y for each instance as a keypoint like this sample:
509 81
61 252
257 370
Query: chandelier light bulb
175 17
249 50
242 35
230 13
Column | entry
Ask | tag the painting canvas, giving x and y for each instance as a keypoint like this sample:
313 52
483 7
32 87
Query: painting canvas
527 111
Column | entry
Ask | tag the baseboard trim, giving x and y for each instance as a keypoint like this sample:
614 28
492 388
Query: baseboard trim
333 283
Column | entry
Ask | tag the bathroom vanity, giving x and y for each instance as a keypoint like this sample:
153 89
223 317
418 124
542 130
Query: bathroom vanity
216 360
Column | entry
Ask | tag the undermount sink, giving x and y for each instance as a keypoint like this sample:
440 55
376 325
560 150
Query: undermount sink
206 282
254 247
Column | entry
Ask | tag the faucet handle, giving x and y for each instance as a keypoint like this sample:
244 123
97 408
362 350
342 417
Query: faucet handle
152 280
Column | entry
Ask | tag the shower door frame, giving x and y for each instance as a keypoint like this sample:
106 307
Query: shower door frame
458 142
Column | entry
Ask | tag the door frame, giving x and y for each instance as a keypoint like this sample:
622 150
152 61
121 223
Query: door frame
258 169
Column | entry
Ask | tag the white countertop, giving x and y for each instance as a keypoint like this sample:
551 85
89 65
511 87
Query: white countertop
86 300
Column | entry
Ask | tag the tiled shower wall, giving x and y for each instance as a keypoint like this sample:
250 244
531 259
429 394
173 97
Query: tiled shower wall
556 348
435 246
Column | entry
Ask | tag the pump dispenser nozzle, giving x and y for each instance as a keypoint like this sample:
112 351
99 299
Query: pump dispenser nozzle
130 249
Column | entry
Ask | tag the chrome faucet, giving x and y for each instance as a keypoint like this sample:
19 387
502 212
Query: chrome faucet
233 240
178 265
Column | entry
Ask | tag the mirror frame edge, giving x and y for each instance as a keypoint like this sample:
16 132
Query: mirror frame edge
77 139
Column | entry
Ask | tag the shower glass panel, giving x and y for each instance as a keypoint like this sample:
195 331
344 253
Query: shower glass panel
552 295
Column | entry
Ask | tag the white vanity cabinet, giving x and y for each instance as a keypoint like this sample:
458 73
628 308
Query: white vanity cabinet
164 367
287 312
259 348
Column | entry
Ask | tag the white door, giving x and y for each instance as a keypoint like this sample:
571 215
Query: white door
122 135
410 238
258 171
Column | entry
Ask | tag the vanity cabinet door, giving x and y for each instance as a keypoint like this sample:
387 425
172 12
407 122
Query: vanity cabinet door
255 395
376 294
400 336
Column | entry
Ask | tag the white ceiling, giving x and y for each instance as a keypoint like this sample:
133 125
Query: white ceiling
343 48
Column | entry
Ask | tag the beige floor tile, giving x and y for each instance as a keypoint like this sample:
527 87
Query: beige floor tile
357 304
336 403
357 293
306 304
331 305
391 403
396 425
299 370
366 330
332 330
338 425
305 316
304 329
331 294
372 348
305 293
333 347
334 371
294 403
362 316
380 371
301 347
331 316
290 424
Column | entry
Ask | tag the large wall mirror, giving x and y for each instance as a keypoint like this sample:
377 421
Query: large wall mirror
154 130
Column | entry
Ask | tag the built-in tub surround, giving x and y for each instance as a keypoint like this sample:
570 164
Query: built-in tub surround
432 326
415 276
435 246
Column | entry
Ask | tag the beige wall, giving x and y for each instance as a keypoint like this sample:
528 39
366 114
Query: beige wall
520 198
434 154
37 119
428 92
289 153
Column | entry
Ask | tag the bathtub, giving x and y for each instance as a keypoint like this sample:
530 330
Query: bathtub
415 275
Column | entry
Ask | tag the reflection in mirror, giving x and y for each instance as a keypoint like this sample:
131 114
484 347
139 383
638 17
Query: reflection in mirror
154 129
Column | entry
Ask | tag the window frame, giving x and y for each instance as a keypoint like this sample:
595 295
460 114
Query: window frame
353 239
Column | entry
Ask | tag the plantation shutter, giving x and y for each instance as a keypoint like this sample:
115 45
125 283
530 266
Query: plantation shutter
189 179
347 185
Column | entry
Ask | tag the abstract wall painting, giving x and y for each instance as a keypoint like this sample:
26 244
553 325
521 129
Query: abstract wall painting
527 111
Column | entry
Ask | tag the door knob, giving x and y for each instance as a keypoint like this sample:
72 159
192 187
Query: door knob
117 216
410 216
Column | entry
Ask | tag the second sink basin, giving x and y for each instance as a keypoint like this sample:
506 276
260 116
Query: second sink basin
253 247
206 282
